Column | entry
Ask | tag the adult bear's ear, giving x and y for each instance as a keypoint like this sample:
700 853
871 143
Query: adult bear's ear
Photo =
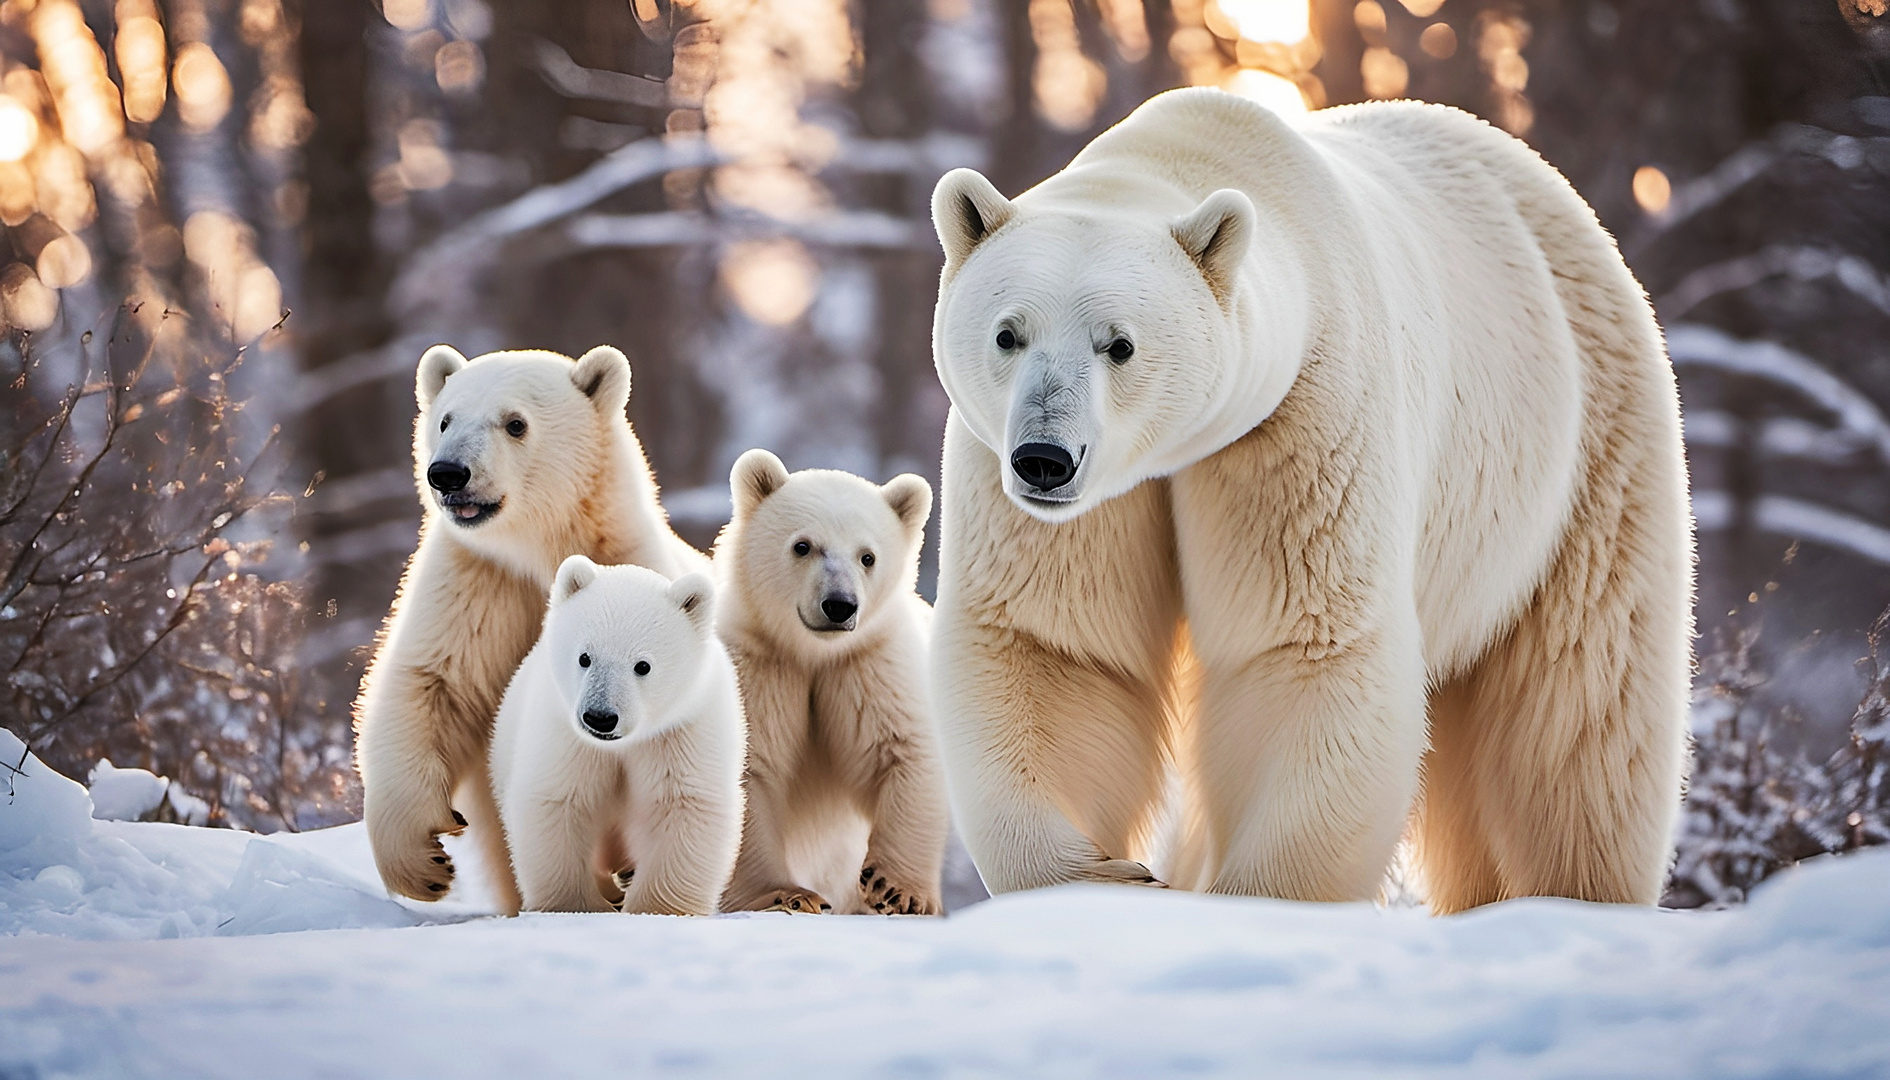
435 365
695 595
965 210
1216 235
756 475
574 574
911 498
603 374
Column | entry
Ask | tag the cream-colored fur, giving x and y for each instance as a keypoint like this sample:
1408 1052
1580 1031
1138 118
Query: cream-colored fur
617 755
840 728
469 606
1396 436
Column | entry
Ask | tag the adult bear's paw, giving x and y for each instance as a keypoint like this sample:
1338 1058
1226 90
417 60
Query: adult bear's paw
414 863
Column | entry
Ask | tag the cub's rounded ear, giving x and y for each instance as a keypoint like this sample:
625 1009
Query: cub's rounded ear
695 595
911 498
1216 236
436 364
756 475
574 574
603 374
965 210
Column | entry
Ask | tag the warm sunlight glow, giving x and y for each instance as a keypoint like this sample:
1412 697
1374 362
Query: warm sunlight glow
74 68
203 87
19 130
1270 90
772 281
1285 21
1652 189
1067 84
140 46
1384 72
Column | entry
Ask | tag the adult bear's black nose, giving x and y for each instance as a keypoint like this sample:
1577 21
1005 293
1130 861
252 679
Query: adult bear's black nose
447 476
602 724
838 609
1044 466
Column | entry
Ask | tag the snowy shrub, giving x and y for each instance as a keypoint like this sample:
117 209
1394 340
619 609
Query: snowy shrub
1752 809
137 619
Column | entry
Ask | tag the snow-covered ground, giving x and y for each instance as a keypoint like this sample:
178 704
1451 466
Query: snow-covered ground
219 954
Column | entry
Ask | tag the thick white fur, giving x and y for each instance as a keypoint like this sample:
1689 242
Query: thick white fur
472 598
1399 437
840 725
660 804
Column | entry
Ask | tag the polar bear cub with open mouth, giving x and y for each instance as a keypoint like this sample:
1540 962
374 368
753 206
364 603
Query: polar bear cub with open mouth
617 756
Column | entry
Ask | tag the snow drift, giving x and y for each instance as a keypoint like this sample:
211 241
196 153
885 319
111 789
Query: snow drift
1076 981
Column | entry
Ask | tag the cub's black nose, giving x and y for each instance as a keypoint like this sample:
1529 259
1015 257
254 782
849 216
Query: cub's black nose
1044 466
838 609
447 476
600 723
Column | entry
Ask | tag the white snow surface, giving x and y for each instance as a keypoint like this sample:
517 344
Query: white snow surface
336 980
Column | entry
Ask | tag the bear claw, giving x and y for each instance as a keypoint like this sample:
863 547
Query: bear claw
891 899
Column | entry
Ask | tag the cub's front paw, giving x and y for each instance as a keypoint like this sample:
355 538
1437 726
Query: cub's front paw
888 897
417 865
799 901
1119 872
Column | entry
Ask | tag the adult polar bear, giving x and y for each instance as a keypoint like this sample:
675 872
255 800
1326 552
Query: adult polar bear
1269 439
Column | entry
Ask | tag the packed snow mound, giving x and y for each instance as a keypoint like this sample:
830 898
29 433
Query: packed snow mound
64 872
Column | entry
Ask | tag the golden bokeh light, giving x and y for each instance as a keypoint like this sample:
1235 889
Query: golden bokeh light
203 86
1384 72
73 65
1652 190
459 67
18 198
1280 95
407 14
1127 25
64 262
1423 9
1439 41
1284 21
19 129
142 61
1067 84
772 281
1369 17
29 304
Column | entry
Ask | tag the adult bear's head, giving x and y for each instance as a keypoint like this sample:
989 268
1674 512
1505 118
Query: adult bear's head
509 444
1095 332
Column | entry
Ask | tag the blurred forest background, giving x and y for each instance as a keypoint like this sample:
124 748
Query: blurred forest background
206 500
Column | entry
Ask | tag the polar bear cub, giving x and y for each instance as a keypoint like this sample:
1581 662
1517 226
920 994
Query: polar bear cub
829 637
521 458
617 756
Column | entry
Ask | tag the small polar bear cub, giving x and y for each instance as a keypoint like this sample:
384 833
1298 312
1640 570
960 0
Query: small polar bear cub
818 608
617 756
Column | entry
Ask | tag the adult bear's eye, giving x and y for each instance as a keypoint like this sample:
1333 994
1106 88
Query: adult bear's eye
801 548
1006 340
866 559
1120 350
515 428
642 668
445 420
584 659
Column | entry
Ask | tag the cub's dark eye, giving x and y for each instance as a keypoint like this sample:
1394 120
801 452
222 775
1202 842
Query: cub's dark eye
1006 340
866 559
642 668
445 420
801 548
515 428
1120 350
584 659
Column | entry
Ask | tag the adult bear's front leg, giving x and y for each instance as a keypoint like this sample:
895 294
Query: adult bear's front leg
408 780
1032 738
1308 765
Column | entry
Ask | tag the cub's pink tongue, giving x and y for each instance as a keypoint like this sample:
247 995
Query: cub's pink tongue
466 511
